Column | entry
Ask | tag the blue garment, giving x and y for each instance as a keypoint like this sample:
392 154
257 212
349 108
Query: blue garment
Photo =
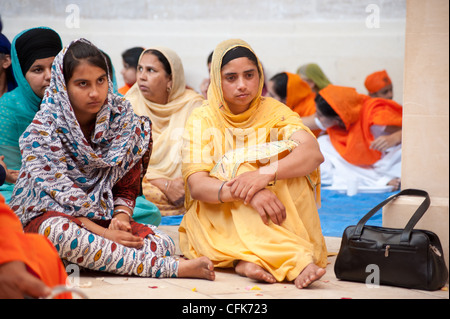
17 110
145 212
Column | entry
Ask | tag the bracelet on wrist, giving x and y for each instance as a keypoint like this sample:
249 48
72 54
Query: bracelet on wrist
167 185
218 193
274 180
122 211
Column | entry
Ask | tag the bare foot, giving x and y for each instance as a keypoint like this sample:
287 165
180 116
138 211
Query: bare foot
200 267
311 273
253 271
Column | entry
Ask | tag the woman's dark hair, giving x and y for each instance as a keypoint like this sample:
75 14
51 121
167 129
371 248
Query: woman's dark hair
78 52
280 81
324 107
131 56
209 60
240 52
109 64
161 59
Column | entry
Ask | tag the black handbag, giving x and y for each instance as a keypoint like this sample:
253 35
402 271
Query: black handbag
408 257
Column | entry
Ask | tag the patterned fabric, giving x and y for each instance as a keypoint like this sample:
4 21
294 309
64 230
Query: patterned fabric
33 226
79 246
227 167
61 170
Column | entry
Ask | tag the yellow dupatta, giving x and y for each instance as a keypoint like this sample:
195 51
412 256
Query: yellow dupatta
168 120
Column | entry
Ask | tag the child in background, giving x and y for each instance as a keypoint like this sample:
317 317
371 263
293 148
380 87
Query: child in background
130 60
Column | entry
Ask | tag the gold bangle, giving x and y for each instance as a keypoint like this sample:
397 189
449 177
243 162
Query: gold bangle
218 193
122 211
274 180
167 185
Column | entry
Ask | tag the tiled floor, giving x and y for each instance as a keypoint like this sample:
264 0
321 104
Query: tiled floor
229 285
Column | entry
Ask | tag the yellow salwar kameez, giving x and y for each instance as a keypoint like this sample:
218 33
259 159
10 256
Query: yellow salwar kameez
226 145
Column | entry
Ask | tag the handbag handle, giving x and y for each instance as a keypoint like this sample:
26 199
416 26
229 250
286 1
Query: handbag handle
406 234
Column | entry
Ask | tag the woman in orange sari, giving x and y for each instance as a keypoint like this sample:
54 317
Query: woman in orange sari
363 140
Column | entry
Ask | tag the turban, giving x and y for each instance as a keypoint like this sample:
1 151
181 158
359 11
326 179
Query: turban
37 44
376 81
5 45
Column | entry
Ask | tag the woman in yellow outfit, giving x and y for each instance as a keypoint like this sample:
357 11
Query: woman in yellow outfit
235 146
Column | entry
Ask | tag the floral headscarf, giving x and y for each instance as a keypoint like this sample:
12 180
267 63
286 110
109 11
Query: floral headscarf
61 170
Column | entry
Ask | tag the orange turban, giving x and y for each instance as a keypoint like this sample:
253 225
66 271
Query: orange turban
376 81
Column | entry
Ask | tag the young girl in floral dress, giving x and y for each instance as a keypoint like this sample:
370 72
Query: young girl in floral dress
83 156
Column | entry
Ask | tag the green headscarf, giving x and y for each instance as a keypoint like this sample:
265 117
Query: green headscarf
314 73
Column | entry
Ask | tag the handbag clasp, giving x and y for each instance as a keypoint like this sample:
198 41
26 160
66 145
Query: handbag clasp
435 250
386 252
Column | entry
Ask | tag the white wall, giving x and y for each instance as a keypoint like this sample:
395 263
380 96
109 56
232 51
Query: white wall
339 35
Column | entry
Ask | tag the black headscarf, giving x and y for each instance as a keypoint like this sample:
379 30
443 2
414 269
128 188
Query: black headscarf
38 43
238 52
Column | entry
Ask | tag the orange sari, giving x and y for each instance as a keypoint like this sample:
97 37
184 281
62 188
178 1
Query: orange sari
300 97
34 250
359 112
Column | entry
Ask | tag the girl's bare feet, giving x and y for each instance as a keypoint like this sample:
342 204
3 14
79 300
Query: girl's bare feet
200 267
311 273
253 271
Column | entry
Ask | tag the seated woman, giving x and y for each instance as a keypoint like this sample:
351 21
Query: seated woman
363 141
268 233
32 55
161 94
290 89
81 174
